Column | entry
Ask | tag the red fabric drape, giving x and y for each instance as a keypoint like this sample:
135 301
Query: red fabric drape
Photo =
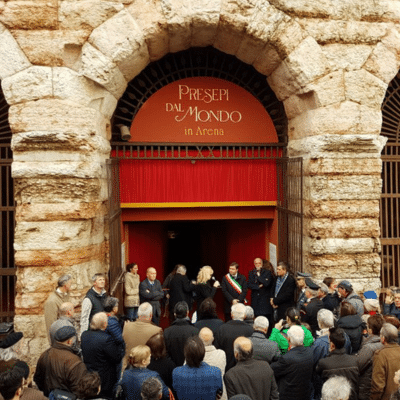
162 181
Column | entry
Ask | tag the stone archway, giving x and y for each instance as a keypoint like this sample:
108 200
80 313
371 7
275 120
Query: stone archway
331 74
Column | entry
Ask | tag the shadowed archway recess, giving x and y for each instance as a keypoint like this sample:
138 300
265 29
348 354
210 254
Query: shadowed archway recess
195 62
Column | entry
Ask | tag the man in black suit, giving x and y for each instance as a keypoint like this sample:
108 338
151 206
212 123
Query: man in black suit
311 307
180 289
234 289
150 291
283 295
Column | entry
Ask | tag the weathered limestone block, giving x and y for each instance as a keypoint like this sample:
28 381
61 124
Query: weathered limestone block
392 39
12 59
383 63
259 31
86 14
26 14
150 18
337 146
178 14
367 187
341 209
342 166
29 303
343 228
392 12
121 39
51 48
345 266
59 260
57 235
101 69
304 65
267 61
346 56
59 190
343 118
69 85
30 84
298 104
205 20
235 15
364 88
342 246
57 116
338 31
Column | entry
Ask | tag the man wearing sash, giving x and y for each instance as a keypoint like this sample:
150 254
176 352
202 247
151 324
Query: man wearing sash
234 289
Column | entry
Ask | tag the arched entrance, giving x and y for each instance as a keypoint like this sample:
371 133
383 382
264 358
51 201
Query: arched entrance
187 230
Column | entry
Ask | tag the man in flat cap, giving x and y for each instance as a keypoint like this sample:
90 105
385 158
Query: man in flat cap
301 284
54 301
59 367
311 306
346 292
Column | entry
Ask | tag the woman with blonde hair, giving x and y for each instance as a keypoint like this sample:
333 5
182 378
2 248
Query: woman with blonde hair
137 372
205 285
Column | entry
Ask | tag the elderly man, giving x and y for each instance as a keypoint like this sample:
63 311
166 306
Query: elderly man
93 302
228 332
263 348
386 363
251 377
58 297
139 331
311 306
301 278
346 292
214 357
66 313
179 331
293 371
150 291
59 367
151 389
234 289
336 388
101 354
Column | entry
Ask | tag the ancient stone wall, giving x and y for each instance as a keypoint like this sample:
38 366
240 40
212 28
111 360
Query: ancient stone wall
64 64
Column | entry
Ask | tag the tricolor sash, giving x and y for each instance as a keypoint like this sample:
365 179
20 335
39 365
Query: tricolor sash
235 284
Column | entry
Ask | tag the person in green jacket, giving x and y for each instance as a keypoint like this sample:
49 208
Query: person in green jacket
278 333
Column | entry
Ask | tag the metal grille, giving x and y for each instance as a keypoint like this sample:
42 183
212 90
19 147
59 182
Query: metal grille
390 198
7 218
113 221
192 63
290 211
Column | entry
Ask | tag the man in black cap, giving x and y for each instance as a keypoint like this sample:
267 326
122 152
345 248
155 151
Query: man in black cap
59 367
311 306
346 292
301 278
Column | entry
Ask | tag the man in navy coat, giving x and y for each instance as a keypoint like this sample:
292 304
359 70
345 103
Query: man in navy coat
150 291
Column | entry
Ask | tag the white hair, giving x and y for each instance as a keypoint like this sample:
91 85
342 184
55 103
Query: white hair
145 310
296 335
336 388
325 318
261 322
238 311
99 321
249 313
323 288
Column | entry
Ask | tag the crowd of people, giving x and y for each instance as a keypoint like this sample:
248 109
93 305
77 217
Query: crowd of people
298 339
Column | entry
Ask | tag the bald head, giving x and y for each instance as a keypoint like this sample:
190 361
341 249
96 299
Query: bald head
243 348
206 336
151 274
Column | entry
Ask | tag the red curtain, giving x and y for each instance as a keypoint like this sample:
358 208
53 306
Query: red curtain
162 181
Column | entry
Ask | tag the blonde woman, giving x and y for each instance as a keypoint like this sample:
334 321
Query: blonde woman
205 285
132 281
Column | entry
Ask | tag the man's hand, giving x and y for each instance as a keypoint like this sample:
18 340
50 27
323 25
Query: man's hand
279 324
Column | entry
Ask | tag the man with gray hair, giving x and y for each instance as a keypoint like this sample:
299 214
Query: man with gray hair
54 301
336 388
139 331
66 318
229 331
386 363
263 348
180 289
293 371
252 377
151 389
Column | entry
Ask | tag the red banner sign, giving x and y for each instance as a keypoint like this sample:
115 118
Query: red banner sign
203 110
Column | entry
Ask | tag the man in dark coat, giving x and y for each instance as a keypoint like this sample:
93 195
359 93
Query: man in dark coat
100 353
180 289
150 291
234 289
231 330
180 330
254 378
283 294
311 306
293 371
338 363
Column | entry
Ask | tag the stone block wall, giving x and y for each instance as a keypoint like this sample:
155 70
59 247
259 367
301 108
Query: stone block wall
64 64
